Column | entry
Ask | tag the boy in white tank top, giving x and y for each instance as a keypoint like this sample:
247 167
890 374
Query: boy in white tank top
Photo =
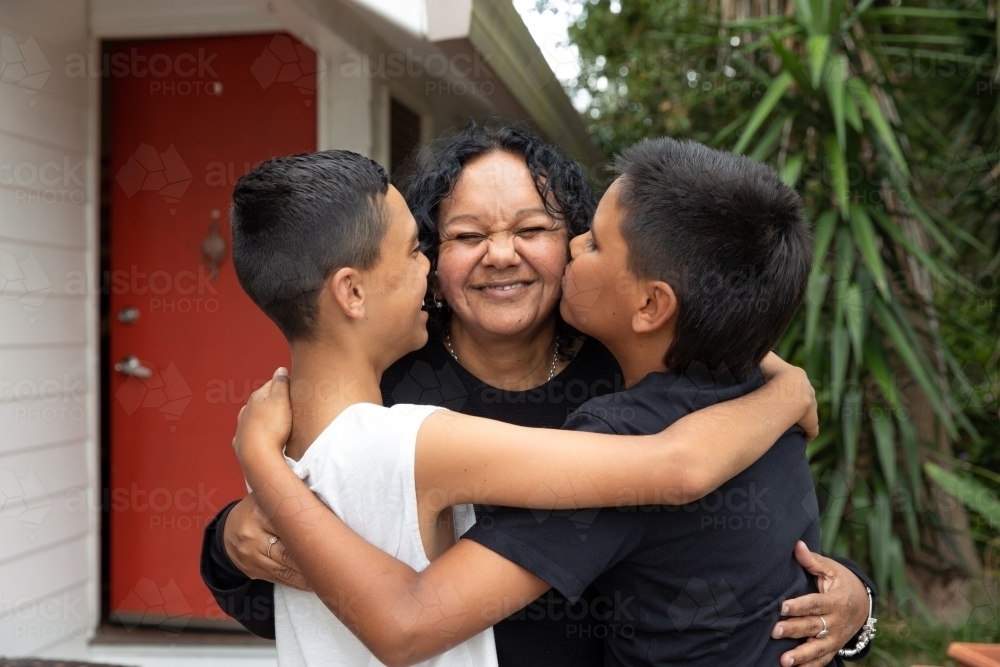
361 467
330 252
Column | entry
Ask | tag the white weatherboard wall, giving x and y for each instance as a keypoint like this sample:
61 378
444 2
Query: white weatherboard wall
48 425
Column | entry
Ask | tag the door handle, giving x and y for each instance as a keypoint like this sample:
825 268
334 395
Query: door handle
128 315
131 365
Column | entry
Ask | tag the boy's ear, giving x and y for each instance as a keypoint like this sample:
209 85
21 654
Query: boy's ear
657 306
346 289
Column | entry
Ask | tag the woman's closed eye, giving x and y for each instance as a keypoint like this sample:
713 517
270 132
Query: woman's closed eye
531 231
470 238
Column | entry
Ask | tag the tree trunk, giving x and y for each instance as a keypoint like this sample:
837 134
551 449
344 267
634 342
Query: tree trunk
953 545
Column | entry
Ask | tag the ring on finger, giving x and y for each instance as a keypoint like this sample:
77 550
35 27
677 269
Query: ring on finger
824 632
274 538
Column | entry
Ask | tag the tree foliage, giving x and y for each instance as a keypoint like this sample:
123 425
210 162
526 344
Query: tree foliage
885 118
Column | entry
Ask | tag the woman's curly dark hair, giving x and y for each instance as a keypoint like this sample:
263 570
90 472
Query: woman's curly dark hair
560 181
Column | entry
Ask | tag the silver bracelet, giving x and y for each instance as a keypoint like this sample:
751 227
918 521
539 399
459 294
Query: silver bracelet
867 632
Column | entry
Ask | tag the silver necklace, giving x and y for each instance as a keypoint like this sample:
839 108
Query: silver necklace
555 352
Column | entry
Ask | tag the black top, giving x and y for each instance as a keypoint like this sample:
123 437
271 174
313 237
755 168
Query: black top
698 584
549 632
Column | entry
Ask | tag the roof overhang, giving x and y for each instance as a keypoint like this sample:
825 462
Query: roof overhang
490 32
497 29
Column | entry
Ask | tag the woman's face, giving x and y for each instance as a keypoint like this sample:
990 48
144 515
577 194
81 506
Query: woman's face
502 256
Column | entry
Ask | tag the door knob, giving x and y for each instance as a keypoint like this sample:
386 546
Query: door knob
128 315
213 247
131 365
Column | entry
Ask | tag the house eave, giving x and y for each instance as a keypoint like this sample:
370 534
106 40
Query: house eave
497 31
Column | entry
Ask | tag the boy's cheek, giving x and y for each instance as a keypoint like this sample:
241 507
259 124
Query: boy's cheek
582 290
582 285
626 285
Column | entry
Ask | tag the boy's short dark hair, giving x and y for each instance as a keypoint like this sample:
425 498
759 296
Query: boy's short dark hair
731 239
296 220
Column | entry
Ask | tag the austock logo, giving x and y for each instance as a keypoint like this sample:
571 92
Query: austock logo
701 606
163 390
23 65
982 169
424 385
982 599
24 280
557 489
850 495
148 169
24 499
284 61
150 604
433 605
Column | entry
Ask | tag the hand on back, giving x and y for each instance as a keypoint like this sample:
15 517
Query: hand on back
265 422
263 425
247 538
774 367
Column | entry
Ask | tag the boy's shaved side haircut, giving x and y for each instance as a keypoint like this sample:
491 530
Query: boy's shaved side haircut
728 235
296 220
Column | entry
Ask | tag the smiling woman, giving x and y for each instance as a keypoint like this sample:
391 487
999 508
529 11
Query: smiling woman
500 263
497 208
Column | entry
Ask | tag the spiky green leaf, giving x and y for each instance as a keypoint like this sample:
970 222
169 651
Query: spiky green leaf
835 86
864 236
767 103
883 129
856 316
906 349
838 174
885 444
818 47
971 492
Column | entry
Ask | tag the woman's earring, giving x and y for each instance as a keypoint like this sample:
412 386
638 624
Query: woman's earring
438 302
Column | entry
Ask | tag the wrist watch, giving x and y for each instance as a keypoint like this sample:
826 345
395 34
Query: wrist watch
865 635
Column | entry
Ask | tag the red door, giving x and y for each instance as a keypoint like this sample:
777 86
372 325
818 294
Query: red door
187 346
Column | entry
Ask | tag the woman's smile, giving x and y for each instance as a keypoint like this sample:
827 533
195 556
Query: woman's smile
507 290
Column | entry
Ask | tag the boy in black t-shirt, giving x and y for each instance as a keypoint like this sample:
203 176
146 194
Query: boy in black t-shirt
716 256
695 264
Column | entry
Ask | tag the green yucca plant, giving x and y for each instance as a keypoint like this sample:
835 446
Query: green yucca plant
895 170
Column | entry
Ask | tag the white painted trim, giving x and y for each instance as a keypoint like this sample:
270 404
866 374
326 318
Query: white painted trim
163 655
408 15
322 102
93 351
381 125
448 19
118 19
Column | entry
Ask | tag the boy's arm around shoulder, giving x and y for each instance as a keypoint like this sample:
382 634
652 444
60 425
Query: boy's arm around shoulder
402 616
463 459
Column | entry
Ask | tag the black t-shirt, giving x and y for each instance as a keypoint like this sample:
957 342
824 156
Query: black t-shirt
699 584
547 633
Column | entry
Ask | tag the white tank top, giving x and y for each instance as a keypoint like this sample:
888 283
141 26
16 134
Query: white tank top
361 466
